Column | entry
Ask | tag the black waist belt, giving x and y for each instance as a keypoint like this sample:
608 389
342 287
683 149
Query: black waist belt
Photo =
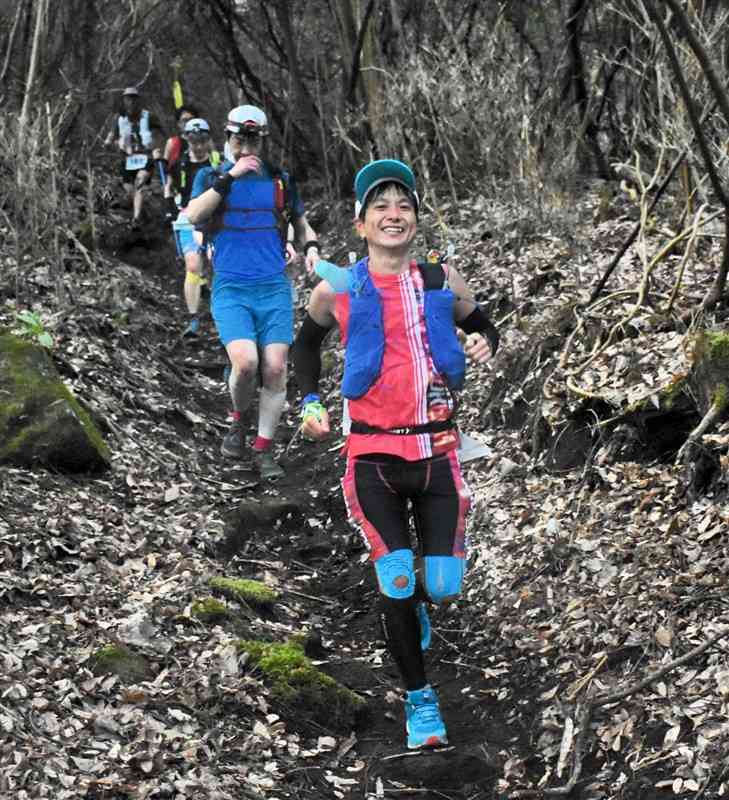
437 426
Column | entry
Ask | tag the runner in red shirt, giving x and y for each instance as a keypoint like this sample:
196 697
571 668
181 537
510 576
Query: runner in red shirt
403 364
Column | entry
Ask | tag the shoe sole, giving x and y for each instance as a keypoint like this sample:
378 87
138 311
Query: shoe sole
431 741
236 455
272 476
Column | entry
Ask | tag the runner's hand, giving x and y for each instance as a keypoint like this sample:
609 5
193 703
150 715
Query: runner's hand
315 422
245 164
311 260
170 209
477 348
291 255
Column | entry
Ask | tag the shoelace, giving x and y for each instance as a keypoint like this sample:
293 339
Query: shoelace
427 713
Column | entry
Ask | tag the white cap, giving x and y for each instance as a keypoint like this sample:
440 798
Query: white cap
197 125
130 91
247 118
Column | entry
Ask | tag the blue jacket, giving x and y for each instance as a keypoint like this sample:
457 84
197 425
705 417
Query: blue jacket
366 332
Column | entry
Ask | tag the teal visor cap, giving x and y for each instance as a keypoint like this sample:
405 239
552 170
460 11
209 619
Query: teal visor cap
383 171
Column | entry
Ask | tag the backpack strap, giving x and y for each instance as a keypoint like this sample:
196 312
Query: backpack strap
282 199
433 275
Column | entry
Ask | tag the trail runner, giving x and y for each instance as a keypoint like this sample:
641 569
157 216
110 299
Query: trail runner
138 135
248 204
197 154
403 363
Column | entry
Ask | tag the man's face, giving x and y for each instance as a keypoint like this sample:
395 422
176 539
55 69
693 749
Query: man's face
244 144
131 103
199 145
390 221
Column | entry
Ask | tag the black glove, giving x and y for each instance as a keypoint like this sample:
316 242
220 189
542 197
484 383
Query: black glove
170 209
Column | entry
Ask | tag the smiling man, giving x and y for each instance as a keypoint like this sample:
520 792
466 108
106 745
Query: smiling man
250 204
403 365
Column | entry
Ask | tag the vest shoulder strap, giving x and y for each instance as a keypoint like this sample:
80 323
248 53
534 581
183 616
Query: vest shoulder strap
283 198
433 275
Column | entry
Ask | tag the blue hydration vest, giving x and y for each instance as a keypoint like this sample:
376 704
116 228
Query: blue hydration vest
366 330
247 237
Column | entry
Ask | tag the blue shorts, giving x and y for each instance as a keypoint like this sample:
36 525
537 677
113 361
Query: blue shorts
187 244
260 312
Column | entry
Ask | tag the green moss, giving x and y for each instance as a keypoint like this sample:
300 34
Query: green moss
667 395
297 682
721 397
253 593
210 610
37 391
712 346
116 659
673 390
718 345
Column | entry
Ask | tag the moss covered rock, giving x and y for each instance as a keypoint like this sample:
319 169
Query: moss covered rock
710 370
295 681
253 593
40 420
209 610
116 659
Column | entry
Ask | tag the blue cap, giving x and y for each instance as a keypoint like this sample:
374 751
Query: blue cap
386 170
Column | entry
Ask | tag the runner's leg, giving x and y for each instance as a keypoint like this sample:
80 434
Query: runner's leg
273 391
243 355
377 500
193 277
139 185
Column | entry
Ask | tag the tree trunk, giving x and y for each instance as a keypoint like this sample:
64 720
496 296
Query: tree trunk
578 85
38 32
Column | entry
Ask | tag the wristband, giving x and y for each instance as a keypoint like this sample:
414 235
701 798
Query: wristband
222 184
311 243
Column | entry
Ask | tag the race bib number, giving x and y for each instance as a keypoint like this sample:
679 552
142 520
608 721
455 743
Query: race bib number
138 161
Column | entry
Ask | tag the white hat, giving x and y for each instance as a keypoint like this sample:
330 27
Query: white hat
247 119
197 125
130 91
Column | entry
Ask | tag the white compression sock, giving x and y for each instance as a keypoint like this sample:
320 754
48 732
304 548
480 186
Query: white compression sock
270 408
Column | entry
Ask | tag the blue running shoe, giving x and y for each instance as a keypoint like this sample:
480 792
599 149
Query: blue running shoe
422 611
193 328
423 721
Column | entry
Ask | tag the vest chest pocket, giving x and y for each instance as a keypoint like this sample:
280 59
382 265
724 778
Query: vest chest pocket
138 161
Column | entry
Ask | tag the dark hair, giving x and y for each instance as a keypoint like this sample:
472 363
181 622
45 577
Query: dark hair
186 110
381 188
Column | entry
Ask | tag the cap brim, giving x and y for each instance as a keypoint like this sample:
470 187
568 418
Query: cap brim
379 172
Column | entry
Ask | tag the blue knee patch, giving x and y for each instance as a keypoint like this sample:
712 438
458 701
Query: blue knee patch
443 576
396 574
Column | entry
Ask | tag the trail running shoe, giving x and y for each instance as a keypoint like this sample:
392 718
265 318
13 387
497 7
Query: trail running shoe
268 468
193 327
423 722
422 611
234 441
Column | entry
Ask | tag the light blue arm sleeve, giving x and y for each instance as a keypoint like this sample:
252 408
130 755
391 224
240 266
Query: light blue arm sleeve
336 277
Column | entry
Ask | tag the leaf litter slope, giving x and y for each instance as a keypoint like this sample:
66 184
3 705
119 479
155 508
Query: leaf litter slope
582 582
